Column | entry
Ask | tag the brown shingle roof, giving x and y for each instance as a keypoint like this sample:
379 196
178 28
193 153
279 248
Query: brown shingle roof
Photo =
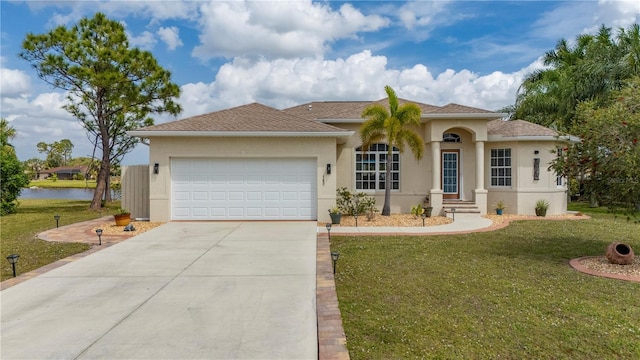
250 118
66 169
458 109
515 128
324 110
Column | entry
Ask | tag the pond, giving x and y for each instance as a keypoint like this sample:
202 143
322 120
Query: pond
50 193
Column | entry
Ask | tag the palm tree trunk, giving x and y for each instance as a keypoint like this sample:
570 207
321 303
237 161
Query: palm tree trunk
386 208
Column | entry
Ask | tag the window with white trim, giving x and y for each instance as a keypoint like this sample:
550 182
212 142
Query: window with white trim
500 167
371 168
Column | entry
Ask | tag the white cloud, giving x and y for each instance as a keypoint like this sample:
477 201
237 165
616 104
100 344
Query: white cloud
277 29
146 40
577 17
42 118
170 36
415 14
617 13
287 82
155 11
13 83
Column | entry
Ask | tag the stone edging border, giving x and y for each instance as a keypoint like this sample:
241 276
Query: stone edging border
331 337
575 263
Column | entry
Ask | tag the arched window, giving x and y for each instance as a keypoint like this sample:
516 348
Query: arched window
371 168
451 137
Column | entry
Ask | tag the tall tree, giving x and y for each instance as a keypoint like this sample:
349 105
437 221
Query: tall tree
12 175
607 158
111 88
397 127
58 152
589 69
34 166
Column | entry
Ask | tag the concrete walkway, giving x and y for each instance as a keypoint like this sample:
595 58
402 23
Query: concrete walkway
463 223
210 290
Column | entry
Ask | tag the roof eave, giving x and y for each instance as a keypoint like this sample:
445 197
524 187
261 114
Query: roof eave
464 116
425 116
562 138
151 133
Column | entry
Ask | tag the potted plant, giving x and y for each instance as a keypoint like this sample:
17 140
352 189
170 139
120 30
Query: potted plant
335 214
427 210
122 217
541 207
500 207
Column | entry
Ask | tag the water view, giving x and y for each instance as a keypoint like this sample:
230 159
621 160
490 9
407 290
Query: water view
72 194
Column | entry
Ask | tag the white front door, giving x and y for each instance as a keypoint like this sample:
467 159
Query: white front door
451 174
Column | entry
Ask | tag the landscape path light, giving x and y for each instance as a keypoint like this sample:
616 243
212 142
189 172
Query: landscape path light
424 216
13 259
329 230
334 258
99 233
57 217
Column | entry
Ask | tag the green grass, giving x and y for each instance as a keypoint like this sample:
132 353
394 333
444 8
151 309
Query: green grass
503 294
75 184
18 231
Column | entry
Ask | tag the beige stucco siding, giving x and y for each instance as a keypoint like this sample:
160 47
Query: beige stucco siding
520 198
163 149
415 175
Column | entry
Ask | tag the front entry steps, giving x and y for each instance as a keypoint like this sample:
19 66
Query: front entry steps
459 207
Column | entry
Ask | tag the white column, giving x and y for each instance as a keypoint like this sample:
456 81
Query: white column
479 164
436 166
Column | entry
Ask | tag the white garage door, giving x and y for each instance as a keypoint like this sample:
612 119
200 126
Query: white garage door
243 189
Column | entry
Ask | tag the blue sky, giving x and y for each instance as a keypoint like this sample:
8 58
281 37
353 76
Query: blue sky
283 53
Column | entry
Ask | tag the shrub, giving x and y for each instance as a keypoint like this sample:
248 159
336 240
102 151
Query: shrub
354 203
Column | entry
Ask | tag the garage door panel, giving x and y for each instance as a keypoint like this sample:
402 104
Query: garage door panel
217 212
218 195
238 189
200 195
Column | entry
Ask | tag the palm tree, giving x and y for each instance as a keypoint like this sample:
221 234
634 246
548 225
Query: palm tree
7 132
590 69
396 126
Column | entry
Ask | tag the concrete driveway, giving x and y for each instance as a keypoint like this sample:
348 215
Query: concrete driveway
211 290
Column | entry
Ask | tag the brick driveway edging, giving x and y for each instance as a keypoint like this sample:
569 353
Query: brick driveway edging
331 338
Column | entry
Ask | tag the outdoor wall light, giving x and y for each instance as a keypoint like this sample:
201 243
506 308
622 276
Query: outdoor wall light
328 169
423 216
57 217
156 168
334 258
99 233
536 152
13 259
329 230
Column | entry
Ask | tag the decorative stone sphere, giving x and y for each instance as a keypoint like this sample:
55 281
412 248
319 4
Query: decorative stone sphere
619 253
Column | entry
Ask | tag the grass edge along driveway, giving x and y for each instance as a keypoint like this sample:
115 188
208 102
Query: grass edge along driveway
508 293
18 232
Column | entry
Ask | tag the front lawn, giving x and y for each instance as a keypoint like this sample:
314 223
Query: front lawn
18 231
67 184
503 294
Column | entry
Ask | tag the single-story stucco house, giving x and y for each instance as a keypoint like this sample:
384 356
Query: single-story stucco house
64 172
254 162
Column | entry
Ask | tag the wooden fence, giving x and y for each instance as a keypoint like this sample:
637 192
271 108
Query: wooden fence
135 190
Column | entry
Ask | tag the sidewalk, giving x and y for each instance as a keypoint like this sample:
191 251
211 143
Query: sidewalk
462 223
